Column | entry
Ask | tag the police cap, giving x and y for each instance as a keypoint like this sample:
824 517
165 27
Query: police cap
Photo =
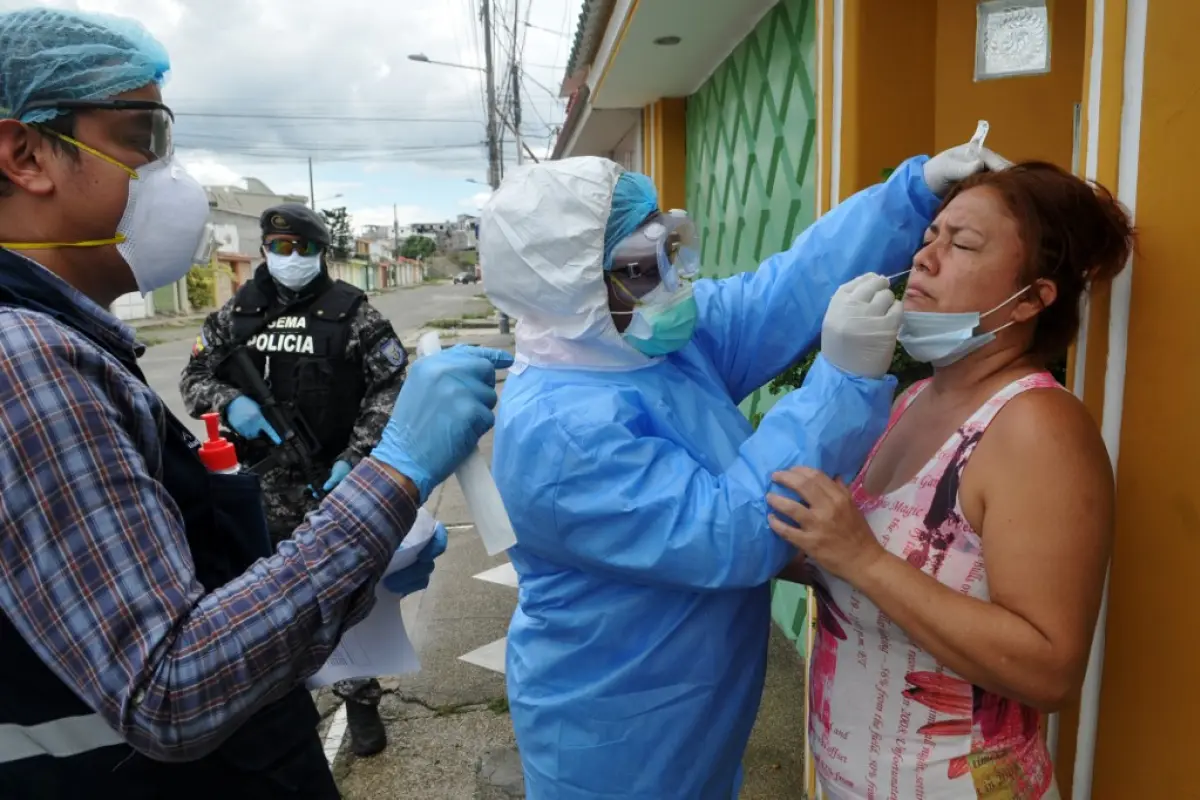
295 219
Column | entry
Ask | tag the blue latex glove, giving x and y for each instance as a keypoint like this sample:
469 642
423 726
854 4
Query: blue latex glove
415 578
246 417
336 475
442 411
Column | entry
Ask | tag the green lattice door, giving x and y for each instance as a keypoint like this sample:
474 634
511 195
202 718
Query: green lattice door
751 165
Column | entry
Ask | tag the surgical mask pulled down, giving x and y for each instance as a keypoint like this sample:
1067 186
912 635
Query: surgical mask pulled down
941 339
294 271
663 321
162 233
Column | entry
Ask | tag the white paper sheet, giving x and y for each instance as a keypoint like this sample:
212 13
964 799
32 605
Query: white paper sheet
379 645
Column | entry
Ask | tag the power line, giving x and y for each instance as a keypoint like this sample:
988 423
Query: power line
306 147
543 87
529 24
533 105
316 117
342 156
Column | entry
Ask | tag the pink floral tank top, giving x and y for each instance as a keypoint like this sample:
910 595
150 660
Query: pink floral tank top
887 721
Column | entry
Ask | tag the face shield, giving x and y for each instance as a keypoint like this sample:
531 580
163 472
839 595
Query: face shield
666 244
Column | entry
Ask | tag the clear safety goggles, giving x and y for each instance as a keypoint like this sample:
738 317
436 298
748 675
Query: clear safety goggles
155 138
665 244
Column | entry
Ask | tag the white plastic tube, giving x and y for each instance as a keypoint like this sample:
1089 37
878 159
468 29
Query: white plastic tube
478 486
981 132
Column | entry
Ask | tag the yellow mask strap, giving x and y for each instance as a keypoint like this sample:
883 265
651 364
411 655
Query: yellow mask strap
631 297
118 239
85 148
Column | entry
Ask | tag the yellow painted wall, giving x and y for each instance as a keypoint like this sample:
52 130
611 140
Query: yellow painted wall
1151 695
888 106
922 97
1031 117
664 131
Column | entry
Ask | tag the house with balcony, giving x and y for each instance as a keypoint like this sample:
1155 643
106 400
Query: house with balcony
761 115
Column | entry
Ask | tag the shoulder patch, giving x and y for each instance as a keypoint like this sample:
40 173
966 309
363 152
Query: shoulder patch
392 352
200 345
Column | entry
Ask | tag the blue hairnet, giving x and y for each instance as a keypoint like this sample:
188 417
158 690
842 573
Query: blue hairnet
634 199
46 54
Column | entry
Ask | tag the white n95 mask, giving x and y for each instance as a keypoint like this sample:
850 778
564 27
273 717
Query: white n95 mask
940 339
294 271
164 225
163 231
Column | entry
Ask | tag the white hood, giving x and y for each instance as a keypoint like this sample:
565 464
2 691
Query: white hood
541 251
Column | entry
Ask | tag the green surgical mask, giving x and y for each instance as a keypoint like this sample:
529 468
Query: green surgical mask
663 322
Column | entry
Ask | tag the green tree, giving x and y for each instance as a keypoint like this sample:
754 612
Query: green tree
418 247
338 220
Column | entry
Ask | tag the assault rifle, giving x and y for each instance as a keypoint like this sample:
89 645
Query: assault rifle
299 443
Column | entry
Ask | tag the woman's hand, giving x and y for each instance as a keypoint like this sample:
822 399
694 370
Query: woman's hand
833 532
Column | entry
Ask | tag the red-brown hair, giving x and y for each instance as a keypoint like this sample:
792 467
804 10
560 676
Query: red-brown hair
1074 233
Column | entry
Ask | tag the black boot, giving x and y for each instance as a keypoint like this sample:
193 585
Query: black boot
368 737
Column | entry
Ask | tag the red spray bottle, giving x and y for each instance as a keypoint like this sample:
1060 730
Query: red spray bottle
218 453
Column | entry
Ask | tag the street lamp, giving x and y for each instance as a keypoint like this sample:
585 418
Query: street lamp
332 197
424 59
490 88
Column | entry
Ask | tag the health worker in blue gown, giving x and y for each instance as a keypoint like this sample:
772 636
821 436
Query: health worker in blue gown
637 488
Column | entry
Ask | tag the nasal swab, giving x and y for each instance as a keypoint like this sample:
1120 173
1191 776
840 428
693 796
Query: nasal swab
976 143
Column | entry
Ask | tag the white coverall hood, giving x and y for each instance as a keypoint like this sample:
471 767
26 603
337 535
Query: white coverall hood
541 251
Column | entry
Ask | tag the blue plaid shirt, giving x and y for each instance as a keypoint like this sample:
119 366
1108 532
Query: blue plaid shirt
95 570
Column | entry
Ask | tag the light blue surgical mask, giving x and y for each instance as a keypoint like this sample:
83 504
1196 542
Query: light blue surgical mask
294 271
940 339
664 322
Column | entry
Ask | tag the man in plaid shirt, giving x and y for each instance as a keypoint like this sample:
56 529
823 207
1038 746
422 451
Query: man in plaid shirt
154 643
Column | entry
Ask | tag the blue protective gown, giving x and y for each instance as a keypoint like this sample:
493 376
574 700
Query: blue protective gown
637 652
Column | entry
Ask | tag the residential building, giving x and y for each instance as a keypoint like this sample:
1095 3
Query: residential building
457 234
377 232
759 116
235 211
463 233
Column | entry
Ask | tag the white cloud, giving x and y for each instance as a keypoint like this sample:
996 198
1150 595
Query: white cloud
475 201
284 60
205 168
382 215
259 86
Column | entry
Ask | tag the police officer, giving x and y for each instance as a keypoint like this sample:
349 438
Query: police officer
154 643
322 348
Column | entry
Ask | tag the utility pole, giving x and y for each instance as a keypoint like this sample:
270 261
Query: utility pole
516 85
395 232
312 193
493 143
490 77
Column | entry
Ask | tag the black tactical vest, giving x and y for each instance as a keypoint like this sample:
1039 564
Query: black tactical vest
52 745
302 354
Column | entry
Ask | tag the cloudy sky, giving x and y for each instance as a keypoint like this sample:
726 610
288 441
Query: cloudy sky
258 86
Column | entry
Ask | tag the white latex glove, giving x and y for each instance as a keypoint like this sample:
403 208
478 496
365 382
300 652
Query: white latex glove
951 166
859 333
